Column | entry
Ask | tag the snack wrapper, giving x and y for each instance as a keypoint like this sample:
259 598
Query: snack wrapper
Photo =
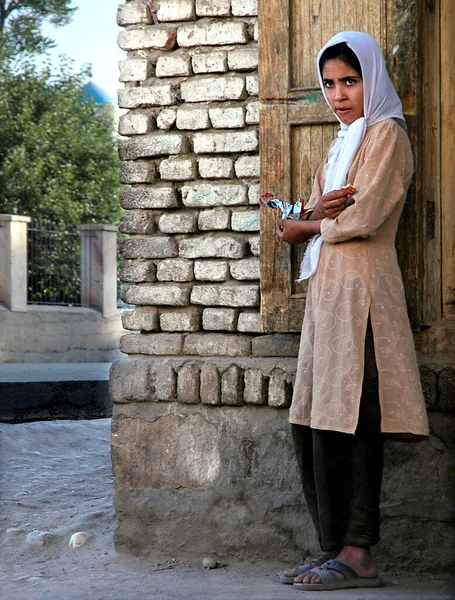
289 211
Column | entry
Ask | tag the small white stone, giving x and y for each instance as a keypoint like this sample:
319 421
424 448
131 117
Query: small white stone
209 562
79 539
39 538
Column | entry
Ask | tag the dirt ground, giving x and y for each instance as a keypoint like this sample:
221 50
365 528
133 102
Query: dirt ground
56 477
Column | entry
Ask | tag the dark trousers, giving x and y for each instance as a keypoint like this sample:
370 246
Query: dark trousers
341 473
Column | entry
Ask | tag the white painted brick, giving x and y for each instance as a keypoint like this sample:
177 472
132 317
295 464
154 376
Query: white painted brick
213 8
154 294
252 85
134 69
254 193
246 268
148 247
245 220
175 269
140 319
178 169
256 32
219 319
255 245
243 59
227 118
225 295
216 167
252 113
193 118
148 197
135 271
210 62
166 118
133 13
211 270
255 390
249 322
214 219
178 222
159 38
137 172
135 123
213 88
175 10
159 94
205 195
217 33
235 141
247 166
216 344
152 343
180 321
244 8
137 221
153 144
172 66
213 247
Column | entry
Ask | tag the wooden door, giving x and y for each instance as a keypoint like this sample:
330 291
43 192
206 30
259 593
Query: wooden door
297 127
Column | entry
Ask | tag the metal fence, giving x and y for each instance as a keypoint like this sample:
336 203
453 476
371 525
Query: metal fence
54 266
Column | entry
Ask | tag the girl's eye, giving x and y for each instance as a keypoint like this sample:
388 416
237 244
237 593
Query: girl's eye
328 84
350 81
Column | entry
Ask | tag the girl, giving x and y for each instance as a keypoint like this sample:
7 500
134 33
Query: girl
357 376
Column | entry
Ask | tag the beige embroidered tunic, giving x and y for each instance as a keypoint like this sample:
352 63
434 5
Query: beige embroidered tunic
357 275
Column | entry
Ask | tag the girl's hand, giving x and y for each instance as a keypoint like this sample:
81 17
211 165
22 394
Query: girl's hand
296 232
332 204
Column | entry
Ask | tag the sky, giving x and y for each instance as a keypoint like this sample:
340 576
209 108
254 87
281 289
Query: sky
91 37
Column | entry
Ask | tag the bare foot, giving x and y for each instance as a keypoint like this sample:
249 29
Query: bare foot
359 559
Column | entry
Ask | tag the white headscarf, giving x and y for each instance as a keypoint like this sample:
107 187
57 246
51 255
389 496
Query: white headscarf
380 101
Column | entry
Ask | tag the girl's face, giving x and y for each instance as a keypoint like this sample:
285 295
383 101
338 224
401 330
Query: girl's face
344 90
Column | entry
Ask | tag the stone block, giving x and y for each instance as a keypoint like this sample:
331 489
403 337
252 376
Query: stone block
205 195
156 344
178 222
211 270
429 381
148 197
175 269
213 8
252 113
180 321
166 118
256 32
227 295
134 69
135 123
245 220
173 66
212 88
144 318
175 10
153 144
129 380
133 13
137 172
280 389
255 245
136 271
243 59
244 8
148 247
210 62
255 387
447 389
248 166
246 268
188 384
219 319
212 247
156 295
227 118
277 344
159 38
152 95
216 167
193 118
252 85
232 386
210 392
165 383
137 221
212 33
235 141
214 219
216 344
254 192
177 169
249 322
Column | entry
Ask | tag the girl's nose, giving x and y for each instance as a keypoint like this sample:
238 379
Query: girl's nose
339 92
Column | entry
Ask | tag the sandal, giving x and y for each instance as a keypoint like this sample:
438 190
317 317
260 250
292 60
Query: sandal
289 579
331 582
